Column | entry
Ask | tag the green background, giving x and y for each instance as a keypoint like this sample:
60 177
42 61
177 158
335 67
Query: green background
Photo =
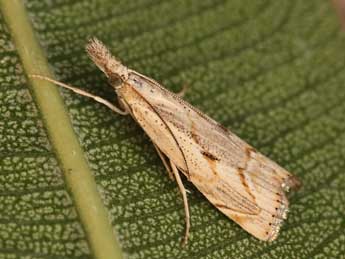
271 71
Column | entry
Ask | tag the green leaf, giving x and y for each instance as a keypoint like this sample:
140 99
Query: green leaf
272 71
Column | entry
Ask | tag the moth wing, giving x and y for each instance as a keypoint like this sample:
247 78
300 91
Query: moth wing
153 124
242 183
239 168
268 201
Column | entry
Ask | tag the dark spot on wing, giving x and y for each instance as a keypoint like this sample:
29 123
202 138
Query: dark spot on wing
209 156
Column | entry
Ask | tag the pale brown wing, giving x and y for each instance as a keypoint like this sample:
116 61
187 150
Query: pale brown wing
242 183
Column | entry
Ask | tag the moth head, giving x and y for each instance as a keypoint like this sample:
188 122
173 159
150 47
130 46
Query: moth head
101 56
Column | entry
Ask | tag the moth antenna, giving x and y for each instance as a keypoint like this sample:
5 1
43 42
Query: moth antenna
82 92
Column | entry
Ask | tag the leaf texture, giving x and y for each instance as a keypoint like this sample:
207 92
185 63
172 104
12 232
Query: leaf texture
272 71
38 218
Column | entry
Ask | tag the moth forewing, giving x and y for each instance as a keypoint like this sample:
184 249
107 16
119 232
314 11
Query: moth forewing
242 183
153 124
245 185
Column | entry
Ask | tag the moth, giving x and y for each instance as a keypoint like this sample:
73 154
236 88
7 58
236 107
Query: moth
243 184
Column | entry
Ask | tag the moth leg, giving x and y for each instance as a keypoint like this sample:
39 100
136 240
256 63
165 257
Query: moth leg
83 93
185 200
165 163
183 91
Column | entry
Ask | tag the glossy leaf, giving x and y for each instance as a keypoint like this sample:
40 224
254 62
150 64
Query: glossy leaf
271 71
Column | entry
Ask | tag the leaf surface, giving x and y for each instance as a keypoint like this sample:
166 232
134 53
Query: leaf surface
271 71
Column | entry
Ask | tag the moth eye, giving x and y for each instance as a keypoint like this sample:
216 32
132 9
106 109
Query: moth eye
114 80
